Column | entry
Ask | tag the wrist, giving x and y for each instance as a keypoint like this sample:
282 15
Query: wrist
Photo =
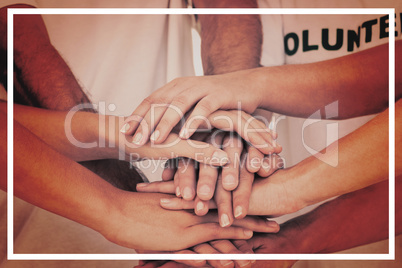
109 136
274 195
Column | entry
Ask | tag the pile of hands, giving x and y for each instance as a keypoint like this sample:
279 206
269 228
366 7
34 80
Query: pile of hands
238 151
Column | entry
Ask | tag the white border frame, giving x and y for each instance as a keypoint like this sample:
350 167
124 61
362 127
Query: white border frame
103 11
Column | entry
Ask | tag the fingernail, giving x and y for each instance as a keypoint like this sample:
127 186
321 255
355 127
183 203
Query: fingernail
266 165
272 224
183 133
125 128
204 190
226 262
221 156
243 263
229 179
137 138
155 135
224 220
238 211
165 200
187 193
200 206
271 125
141 185
248 233
178 191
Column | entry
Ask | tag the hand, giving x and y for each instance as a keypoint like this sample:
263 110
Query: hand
136 220
168 105
230 189
213 247
269 196
172 147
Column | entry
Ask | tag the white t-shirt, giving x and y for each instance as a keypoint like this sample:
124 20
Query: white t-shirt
119 60
299 39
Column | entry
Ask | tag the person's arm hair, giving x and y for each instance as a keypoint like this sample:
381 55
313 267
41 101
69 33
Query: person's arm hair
358 82
360 160
229 42
47 179
354 219
42 78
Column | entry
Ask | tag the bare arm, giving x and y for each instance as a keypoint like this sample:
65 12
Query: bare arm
359 82
47 179
359 218
229 42
42 78
360 160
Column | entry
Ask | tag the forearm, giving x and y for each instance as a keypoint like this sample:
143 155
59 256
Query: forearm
229 42
78 136
51 181
358 82
360 160
42 78
351 220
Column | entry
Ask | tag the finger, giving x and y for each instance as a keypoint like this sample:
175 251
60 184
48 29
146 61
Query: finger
177 109
180 204
254 159
206 248
192 263
151 118
172 264
258 127
223 201
225 246
244 246
169 169
151 264
200 114
201 207
199 151
168 173
164 95
270 164
166 187
207 182
233 146
176 184
257 224
250 130
203 232
133 121
186 177
241 195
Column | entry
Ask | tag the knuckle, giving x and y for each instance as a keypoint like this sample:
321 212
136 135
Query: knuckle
164 123
181 100
215 230
204 106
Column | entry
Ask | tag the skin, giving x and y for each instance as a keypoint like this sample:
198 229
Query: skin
286 89
41 81
280 193
360 218
58 180
32 84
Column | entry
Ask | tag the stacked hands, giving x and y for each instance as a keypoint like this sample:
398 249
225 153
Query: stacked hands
241 148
